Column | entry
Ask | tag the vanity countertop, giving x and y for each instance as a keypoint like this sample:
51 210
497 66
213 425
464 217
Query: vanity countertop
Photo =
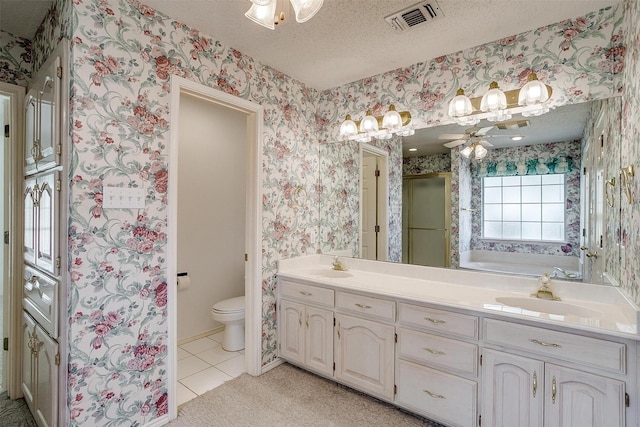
588 307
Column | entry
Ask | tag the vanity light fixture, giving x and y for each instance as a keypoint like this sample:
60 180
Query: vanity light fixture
497 106
378 127
270 13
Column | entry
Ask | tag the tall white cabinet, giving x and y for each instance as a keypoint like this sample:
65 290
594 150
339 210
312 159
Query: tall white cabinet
44 235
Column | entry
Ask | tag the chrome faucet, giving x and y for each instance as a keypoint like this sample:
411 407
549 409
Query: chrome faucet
338 265
545 292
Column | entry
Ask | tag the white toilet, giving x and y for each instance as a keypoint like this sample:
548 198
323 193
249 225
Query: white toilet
230 312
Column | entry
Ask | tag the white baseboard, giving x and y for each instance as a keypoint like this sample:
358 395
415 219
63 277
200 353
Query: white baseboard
201 335
158 421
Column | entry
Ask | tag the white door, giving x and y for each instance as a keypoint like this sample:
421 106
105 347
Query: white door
579 399
319 340
513 392
364 355
369 207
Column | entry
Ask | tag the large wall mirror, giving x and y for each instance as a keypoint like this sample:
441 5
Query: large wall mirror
545 198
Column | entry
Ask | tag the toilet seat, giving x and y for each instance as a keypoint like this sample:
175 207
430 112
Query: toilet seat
229 306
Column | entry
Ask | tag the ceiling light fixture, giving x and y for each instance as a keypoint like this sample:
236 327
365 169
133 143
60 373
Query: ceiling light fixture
517 138
379 127
476 147
498 106
413 149
270 13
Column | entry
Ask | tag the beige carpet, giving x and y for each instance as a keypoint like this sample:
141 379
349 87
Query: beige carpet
289 396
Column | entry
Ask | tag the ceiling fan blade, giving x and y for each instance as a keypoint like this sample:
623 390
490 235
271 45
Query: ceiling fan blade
451 136
483 131
455 143
485 143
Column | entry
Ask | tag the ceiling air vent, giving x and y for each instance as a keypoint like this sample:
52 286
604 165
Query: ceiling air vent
412 16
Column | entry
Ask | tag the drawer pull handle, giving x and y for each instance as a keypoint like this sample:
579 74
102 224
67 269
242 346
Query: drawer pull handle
434 395
432 351
362 306
338 331
553 390
535 383
545 344
436 321
306 294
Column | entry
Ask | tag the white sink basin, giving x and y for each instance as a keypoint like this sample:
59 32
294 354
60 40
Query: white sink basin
549 306
332 274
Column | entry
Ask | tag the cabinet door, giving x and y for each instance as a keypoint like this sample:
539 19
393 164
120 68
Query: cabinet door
578 399
46 408
48 220
364 355
512 390
42 115
319 340
290 331
29 378
30 198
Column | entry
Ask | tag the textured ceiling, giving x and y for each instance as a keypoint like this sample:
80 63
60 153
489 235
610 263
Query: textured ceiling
23 17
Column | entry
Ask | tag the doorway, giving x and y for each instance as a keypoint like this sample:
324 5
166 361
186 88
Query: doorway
374 200
253 114
426 221
11 116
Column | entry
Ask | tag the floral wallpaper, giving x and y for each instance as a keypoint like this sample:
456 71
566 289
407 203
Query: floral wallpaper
422 165
123 54
630 153
15 59
581 58
540 154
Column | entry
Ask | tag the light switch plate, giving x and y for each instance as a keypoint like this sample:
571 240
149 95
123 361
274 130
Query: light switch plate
122 198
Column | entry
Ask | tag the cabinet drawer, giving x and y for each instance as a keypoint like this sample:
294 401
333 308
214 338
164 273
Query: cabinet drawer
439 351
434 394
438 320
573 348
374 307
307 293
40 299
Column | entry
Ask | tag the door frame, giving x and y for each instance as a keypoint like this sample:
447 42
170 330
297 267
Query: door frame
253 219
383 198
13 276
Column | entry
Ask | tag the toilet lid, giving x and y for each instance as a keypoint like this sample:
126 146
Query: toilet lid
230 305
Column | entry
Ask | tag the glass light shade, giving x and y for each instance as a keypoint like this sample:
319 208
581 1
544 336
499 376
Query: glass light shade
262 15
534 92
392 120
536 110
467 121
369 124
406 132
499 116
481 152
460 105
262 2
364 139
494 99
348 127
386 135
306 9
466 151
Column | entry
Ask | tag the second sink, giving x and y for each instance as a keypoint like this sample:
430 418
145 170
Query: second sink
549 307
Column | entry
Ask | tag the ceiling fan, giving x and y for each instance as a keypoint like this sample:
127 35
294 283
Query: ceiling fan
475 134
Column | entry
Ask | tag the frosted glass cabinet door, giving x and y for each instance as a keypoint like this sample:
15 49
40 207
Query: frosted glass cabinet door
429 203
48 219
30 197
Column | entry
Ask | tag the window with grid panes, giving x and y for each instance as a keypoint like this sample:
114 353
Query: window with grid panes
526 207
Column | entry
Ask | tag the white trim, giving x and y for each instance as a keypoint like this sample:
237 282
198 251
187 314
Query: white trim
253 267
269 366
13 289
383 201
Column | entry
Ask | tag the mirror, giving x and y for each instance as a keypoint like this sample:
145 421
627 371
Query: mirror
554 133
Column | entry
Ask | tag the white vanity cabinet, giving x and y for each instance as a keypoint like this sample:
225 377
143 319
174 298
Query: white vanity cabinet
536 390
305 329
39 372
436 375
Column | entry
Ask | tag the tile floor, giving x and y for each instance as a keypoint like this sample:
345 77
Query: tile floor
204 365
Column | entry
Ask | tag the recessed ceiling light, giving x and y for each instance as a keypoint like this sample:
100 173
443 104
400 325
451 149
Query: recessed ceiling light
516 138
413 149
